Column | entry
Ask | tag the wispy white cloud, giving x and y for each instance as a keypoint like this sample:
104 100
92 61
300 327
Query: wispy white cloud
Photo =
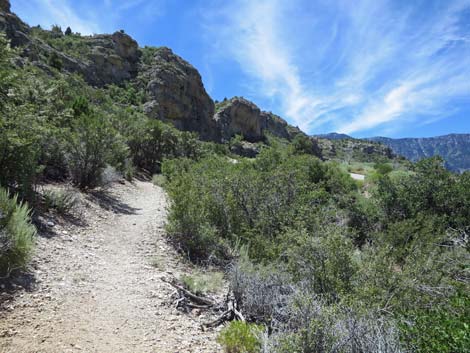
249 27
88 16
350 66
60 12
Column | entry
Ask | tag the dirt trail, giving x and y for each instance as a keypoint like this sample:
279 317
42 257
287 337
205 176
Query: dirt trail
97 287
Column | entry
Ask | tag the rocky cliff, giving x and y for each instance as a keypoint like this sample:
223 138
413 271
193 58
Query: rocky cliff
348 148
239 116
177 95
100 59
15 29
173 88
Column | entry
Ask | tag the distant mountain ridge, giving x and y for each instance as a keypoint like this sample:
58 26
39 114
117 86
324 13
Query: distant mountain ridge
453 148
333 136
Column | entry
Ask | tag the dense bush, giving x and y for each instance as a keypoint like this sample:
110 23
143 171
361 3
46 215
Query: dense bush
317 327
217 203
385 271
16 234
262 293
300 320
19 133
240 337
92 143
152 141
62 201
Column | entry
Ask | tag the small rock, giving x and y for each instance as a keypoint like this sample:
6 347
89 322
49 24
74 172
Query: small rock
50 224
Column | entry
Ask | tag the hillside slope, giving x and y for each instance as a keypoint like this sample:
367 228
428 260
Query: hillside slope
168 87
453 148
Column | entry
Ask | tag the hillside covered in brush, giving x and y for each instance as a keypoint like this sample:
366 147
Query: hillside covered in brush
313 260
453 148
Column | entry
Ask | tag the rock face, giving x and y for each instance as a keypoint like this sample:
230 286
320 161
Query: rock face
108 58
354 149
5 5
174 89
15 29
177 95
112 59
278 127
240 116
246 149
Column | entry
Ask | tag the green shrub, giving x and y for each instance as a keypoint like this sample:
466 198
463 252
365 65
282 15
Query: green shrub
20 135
62 201
55 61
218 203
92 143
203 283
19 153
16 234
159 180
240 337
440 329
383 168
323 261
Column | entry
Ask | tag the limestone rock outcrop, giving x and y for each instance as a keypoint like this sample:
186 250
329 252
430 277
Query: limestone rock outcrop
239 116
177 95
105 59
173 87
14 28
112 59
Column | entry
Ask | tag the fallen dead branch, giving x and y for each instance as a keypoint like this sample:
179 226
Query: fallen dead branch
186 300
195 298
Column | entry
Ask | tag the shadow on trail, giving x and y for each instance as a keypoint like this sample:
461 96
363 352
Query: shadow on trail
111 203
17 281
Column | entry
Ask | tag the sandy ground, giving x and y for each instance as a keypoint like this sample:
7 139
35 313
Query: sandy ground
95 286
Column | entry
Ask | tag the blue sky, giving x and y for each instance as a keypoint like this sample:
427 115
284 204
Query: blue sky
396 68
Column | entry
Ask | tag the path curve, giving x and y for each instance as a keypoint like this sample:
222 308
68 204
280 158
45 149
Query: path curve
98 289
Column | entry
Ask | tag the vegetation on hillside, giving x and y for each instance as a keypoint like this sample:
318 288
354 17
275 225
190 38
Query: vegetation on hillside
317 261
324 267
55 127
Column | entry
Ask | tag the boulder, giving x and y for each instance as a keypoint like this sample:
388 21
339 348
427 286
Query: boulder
245 149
